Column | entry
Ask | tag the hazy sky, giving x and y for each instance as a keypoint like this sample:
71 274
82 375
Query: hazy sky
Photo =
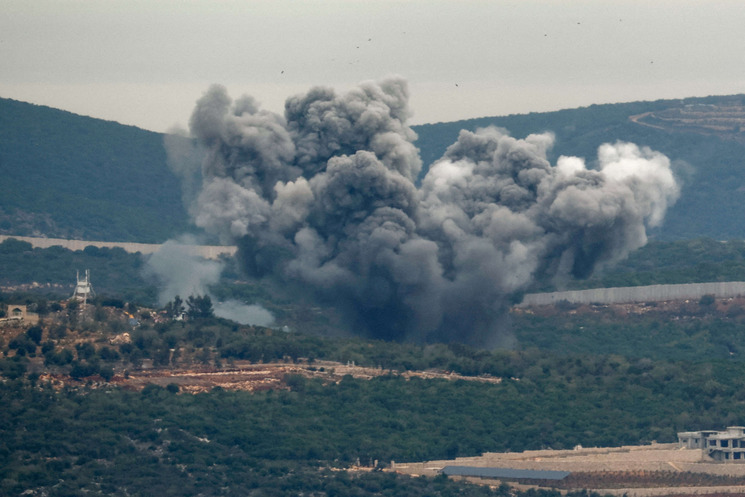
146 62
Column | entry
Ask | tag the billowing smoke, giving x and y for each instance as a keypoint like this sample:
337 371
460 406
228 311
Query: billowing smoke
243 313
185 161
177 270
323 199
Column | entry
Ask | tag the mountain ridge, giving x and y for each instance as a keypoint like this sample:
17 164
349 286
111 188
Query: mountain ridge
72 176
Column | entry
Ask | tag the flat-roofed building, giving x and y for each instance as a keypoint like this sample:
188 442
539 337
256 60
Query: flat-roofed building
725 446
694 439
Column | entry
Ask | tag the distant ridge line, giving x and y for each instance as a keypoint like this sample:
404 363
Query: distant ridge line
206 251
628 294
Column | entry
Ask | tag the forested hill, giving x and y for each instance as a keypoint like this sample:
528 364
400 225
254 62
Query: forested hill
704 137
71 176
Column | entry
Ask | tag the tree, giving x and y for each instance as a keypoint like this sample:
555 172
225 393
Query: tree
42 307
199 306
34 333
23 344
99 314
82 370
72 312
707 300
86 351
175 308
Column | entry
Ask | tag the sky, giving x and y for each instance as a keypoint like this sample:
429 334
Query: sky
145 63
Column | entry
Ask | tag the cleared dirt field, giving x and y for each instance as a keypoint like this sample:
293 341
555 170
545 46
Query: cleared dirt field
659 469
726 120
246 376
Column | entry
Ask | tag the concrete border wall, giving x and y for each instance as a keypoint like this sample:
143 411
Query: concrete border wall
652 293
206 251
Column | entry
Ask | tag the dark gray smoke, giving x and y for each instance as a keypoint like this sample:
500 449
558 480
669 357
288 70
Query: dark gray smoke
324 199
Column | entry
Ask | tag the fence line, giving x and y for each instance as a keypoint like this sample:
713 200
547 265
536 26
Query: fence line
651 293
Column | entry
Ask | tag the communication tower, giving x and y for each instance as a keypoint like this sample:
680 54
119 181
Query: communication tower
83 288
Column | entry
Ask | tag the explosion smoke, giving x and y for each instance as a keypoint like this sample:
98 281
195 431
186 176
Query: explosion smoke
324 197
179 272
166 267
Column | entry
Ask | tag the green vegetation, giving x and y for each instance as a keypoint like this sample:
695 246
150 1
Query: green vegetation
199 306
113 442
113 271
711 168
72 176
155 442
685 261
584 377
655 334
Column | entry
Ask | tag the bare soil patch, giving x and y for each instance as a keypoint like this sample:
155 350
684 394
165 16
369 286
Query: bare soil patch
658 469
250 377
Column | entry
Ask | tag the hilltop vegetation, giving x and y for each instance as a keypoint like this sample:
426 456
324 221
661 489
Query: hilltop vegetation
696 260
76 177
119 273
71 176
589 375
52 271
656 332
713 329
711 166
72 439
575 378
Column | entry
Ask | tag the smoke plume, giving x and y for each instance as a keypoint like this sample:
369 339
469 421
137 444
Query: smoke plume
185 161
178 271
324 199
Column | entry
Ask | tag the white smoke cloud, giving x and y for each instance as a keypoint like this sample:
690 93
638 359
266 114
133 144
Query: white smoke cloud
185 159
323 198
244 314
177 270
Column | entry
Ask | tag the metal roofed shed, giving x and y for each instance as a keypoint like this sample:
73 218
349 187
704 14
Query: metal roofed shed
505 473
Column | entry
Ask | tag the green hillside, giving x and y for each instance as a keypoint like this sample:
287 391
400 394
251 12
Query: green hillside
70 176
593 378
661 332
707 149
92 437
